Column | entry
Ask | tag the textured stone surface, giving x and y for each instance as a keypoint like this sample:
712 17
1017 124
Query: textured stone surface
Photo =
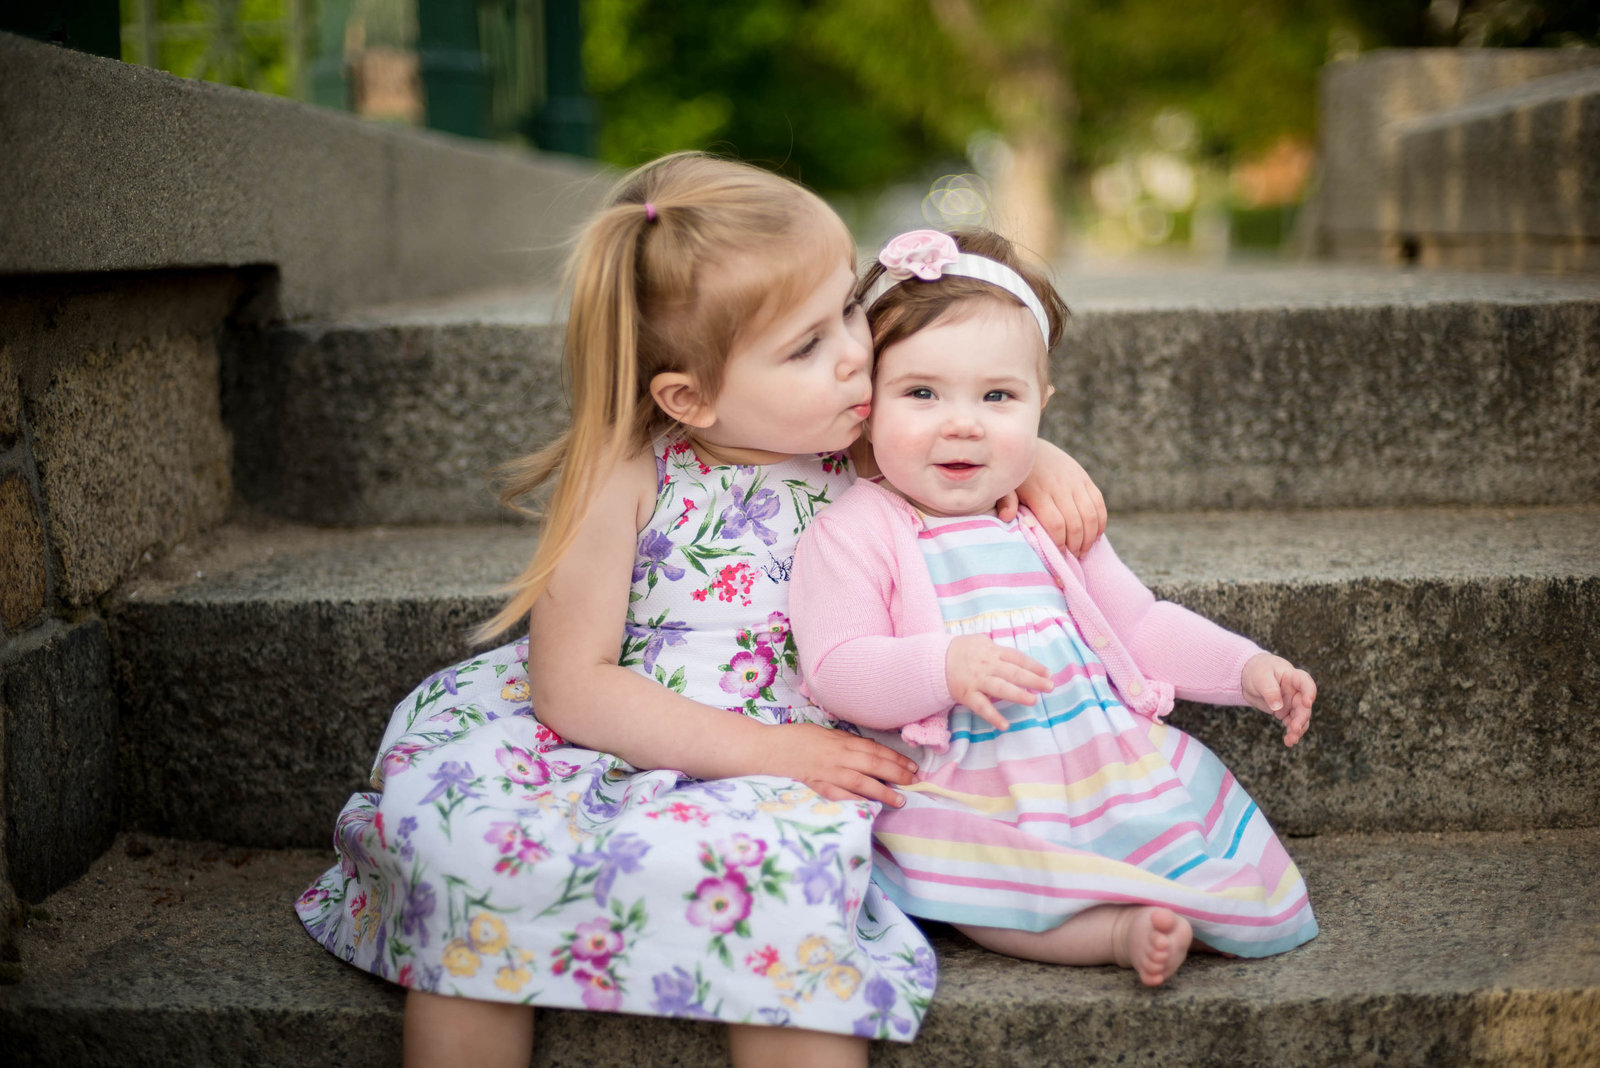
1357 210
396 419
1331 388
1454 650
10 399
1512 177
1303 388
119 377
60 723
191 174
258 676
23 571
131 455
1464 949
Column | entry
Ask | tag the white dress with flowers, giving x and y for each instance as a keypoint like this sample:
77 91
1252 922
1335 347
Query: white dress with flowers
493 860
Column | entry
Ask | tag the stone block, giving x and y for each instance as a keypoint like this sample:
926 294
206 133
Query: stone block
119 379
1453 647
131 455
1328 388
60 724
1241 388
10 399
24 572
395 420
258 675
1521 163
1359 101
1456 949
112 167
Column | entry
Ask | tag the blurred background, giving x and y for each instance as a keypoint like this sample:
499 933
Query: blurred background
1088 129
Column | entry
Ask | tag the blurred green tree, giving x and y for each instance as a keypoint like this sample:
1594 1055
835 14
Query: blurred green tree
852 94
742 76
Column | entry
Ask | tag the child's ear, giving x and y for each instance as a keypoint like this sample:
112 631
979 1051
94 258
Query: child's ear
676 394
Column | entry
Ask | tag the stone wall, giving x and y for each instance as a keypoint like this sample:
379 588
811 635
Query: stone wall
1450 157
152 227
112 451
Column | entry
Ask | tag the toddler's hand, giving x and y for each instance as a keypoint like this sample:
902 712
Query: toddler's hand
1063 498
837 764
1281 690
979 672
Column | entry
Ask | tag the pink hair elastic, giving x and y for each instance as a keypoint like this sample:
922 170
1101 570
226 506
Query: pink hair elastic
649 211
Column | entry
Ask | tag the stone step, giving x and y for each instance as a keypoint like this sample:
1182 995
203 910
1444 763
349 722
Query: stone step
1286 387
1461 949
1454 649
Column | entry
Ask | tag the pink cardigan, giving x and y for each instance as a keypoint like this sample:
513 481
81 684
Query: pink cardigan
872 640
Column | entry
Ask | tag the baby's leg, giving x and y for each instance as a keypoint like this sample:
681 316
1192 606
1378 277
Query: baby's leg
443 1031
1153 941
786 1047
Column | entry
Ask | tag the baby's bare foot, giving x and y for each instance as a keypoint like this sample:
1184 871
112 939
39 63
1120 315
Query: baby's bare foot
1153 941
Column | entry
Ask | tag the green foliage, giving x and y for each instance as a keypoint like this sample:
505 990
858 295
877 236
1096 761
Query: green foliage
742 76
850 94
242 43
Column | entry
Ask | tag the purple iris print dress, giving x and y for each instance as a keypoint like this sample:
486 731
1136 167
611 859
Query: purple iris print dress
492 860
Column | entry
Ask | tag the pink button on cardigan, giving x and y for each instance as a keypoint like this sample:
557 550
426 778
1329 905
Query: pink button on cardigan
872 640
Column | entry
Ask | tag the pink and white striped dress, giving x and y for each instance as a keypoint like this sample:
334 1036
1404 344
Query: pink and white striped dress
1079 802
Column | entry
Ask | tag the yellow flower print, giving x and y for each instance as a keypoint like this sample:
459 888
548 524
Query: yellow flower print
460 960
487 933
815 954
524 955
514 690
843 980
512 979
826 808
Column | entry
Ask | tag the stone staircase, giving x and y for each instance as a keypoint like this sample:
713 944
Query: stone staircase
1445 807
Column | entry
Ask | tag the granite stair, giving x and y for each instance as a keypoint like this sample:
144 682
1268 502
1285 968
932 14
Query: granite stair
1392 477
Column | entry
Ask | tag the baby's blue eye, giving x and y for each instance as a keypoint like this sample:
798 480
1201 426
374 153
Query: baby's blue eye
920 393
997 395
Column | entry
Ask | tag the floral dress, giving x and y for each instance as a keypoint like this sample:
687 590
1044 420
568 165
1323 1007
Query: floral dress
493 860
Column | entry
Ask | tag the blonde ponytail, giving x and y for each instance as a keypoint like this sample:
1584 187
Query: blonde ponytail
647 297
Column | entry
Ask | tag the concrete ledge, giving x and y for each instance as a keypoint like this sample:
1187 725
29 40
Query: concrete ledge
397 417
1358 210
1465 949
1331 388
1311 387
106 167
1453 650
59 718
1518 166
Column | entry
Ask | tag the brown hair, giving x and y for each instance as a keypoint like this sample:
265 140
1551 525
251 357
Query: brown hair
653 291
912 306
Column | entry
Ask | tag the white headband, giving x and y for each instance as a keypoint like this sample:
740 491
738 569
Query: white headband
928 255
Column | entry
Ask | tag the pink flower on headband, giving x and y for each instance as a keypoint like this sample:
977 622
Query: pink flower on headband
924 253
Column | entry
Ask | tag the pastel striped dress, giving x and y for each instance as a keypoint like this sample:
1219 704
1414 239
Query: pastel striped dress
1079 802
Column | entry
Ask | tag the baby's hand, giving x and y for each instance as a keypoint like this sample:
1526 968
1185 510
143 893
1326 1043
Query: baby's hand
1281 690
979 672
1063 498
837 764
